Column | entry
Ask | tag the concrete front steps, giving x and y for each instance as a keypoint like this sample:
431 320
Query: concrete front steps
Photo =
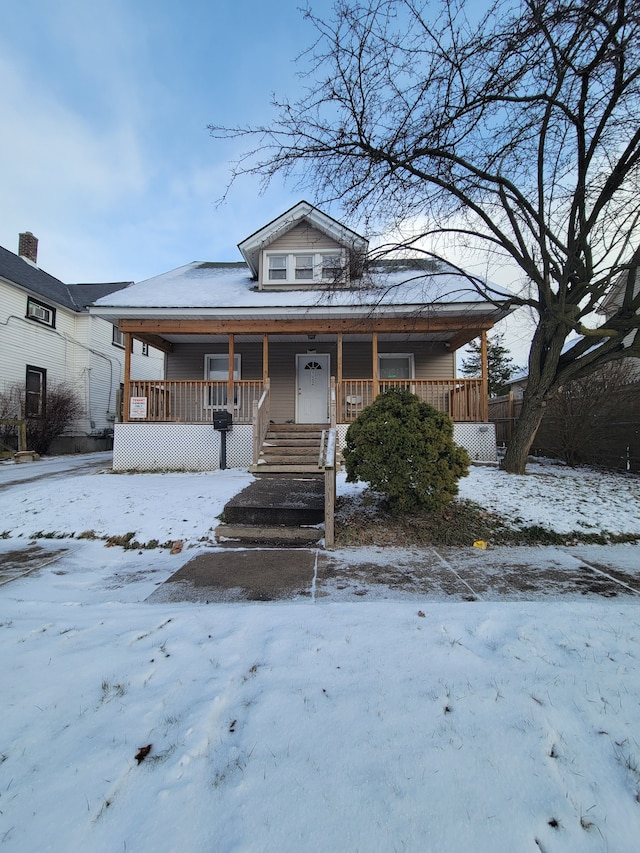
278 509
290 449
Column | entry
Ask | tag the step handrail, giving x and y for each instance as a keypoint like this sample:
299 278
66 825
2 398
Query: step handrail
260 420
330 457
321 455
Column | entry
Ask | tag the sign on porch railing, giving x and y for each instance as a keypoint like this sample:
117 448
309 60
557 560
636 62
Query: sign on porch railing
138 407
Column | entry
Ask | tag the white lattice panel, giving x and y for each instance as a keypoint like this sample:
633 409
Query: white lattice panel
196 447
178 447
479 440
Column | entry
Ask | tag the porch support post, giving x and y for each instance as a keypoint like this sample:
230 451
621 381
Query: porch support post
230 394
484 402
127 378
339 373
374 367
265 357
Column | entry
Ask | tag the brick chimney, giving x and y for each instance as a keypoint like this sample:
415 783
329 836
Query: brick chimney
28 246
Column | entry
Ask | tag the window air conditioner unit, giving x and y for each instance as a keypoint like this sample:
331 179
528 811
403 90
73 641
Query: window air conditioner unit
39 313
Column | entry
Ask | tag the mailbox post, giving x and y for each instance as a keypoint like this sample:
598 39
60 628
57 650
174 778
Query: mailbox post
223 422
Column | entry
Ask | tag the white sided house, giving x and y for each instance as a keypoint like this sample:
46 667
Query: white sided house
302 334
50 338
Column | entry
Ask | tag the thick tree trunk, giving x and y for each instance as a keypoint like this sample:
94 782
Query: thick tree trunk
515 459
544 355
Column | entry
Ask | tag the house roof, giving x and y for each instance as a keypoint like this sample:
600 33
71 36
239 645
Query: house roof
251 246
75 297
205 290
202 290
85 295
27 275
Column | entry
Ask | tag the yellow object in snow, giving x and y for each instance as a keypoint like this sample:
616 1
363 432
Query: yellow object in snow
480 543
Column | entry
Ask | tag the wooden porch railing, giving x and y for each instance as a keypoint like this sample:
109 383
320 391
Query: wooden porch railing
195 400
462 399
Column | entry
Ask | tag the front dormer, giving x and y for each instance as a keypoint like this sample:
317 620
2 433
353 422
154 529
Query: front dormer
302 248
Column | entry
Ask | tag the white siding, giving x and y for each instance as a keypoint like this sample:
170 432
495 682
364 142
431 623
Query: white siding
303 237
78 352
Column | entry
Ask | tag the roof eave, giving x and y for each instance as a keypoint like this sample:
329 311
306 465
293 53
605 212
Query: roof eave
465 311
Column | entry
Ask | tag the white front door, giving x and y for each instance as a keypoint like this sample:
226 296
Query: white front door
312 388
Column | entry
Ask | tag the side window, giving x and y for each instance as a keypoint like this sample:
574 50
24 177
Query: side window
118 337
393 365
36 392
216 368
145 349
40 312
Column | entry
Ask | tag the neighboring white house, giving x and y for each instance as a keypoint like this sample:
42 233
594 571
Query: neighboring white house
48 337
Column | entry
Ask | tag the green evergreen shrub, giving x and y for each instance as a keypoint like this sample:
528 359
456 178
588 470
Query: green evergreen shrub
404 449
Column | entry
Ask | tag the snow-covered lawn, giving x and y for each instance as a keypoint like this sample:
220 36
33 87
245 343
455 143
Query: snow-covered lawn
558 498
307 726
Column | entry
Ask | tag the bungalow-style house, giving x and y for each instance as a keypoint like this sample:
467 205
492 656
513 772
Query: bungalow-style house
49 338
304 331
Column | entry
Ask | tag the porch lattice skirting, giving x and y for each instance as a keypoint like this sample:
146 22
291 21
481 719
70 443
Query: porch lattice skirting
178 447
196 447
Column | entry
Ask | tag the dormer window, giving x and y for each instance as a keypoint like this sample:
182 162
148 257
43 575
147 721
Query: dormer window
295 267
332 269
277 267
304 267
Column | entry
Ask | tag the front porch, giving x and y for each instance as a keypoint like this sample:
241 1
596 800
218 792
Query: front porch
293 376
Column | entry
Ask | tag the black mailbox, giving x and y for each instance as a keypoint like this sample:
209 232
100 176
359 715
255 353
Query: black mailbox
222 421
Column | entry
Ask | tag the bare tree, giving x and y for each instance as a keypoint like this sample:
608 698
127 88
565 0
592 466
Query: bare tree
62 408
518 130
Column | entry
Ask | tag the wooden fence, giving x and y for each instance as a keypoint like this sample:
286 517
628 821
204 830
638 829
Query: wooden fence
617 447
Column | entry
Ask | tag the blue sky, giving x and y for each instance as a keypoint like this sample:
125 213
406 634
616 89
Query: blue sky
105 154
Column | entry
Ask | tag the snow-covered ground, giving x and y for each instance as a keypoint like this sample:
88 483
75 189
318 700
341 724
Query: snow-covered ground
559 498
306 726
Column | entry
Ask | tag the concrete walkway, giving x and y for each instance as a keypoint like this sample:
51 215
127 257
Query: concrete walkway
464 574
